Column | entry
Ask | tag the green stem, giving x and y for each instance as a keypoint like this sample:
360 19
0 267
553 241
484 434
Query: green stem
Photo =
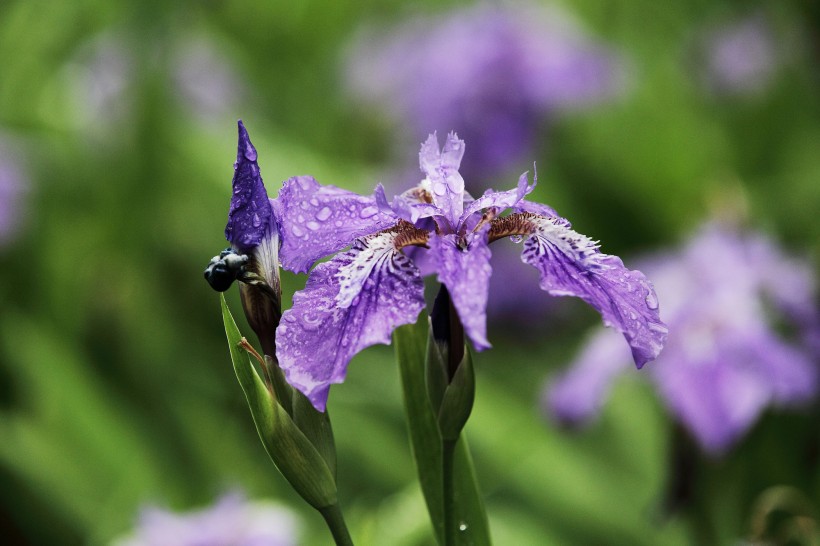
336 523
450 523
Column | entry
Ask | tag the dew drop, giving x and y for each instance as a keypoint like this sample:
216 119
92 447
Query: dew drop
311 322
313 226
323 214
439 188
462 526
297 231
367 212
652 300
256 221
250 151
314 202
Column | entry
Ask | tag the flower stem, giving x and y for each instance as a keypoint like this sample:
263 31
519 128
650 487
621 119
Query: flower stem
450 523
336 523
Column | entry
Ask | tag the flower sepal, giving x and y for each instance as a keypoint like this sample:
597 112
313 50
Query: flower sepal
457 400
315 425
290 449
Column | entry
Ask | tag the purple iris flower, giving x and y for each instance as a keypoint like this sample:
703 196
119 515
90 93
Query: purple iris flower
205 82
494 72
724 361
741 57
232 521
362 294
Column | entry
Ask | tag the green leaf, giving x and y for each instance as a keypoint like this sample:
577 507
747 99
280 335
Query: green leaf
292 453
426 442
316 426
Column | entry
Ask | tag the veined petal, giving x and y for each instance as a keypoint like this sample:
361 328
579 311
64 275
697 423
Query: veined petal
320 220
466 274
349 303
537 208
571 265
500 199
250 213
445 184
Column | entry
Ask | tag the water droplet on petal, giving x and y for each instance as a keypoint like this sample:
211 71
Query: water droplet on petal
256 221
323 214
367 212
313 226
311 321
314 202
652 300
250 152
439 188
297 231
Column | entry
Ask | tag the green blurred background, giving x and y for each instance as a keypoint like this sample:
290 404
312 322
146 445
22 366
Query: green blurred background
116 389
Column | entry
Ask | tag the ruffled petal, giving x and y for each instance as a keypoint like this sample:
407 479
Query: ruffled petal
409 206
349 303
466 274
537 208
570 264
320 220
250 214
500 200
445 184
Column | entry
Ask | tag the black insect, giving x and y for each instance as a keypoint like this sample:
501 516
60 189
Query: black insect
225 268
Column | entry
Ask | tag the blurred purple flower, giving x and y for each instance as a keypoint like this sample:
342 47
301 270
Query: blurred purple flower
724 361
359 297
232 521
740 57
13 187
492 72
205 82
99 78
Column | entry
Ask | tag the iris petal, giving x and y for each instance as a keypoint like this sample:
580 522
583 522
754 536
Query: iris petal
466 273
349 303
446 186
570 264
320 220
500 199
249 217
